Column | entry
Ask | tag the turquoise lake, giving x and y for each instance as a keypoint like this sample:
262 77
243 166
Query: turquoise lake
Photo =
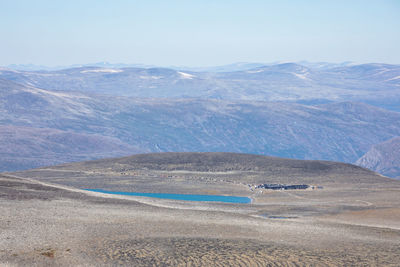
187 197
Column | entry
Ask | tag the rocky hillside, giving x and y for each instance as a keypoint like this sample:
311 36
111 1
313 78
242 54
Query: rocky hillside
383 158
338 131
29 147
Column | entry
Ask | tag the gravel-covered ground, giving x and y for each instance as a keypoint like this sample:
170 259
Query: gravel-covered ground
48 221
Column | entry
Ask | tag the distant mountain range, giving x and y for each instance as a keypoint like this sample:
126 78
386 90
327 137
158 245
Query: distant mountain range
375 84
319 111
239 66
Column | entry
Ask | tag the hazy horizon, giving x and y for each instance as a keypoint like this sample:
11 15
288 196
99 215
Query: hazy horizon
105 64
200 34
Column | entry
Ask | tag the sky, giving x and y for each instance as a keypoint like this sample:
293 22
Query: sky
198 33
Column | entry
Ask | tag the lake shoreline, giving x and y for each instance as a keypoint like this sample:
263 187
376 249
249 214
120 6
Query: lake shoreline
182 197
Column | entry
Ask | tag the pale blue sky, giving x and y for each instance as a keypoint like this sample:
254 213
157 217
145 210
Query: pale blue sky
198 33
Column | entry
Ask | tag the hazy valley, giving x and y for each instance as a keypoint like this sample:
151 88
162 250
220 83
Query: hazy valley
320 111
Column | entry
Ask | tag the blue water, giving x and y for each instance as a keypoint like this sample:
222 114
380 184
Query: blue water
214 198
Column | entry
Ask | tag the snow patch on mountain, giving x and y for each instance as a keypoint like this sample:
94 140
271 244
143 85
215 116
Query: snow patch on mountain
255 71
102 70
301 76
394 78
56 93
186 75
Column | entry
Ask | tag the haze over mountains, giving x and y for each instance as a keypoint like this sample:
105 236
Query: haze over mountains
221 68
310 111
376 84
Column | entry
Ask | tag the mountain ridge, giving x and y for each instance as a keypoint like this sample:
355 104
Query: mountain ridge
288 82
218 68
337 131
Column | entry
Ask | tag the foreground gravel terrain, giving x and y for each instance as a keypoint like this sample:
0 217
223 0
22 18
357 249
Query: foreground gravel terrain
47 220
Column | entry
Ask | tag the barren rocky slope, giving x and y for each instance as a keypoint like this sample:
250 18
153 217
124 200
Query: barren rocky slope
23 147
383 158
337 131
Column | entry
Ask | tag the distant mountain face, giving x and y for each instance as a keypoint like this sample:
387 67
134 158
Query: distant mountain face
33 67
57 126
239 66
376 84
383 158
30 147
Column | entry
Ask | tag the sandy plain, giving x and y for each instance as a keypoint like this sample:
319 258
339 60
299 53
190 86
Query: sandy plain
48 220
